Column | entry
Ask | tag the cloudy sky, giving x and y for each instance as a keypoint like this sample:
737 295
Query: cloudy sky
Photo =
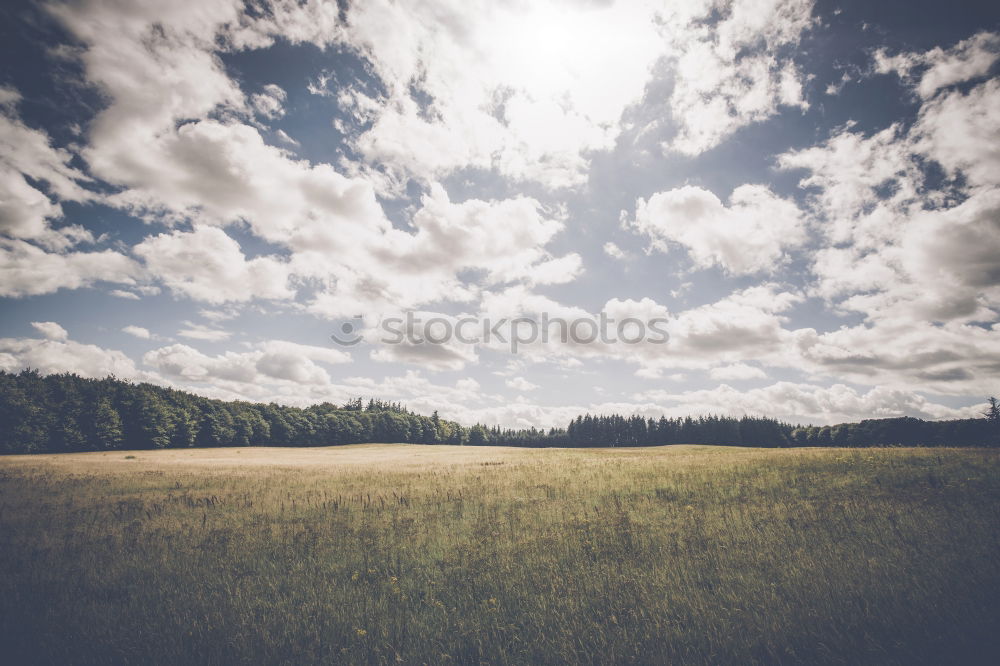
199 193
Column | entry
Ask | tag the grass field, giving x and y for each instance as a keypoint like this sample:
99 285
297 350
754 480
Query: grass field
393 554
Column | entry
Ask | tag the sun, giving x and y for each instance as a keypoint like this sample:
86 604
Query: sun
590 56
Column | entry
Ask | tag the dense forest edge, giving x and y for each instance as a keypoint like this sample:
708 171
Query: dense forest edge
64 413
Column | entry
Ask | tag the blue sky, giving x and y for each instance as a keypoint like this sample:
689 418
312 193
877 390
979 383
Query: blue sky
805 193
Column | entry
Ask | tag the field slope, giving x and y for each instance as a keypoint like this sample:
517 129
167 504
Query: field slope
411 554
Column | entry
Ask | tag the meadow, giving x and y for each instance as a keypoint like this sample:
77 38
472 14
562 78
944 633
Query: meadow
408 554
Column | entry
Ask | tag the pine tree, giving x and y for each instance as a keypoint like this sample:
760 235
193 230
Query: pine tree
477 435
107 430
992 415
438 435
992 412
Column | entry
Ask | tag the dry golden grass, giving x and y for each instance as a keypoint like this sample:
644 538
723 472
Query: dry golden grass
434 554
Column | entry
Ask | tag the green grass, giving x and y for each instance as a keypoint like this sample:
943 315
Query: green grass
391 554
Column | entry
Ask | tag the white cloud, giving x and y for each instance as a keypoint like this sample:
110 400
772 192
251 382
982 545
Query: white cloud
940 68
270 102
223 173
747 324
56 353
51 330
737 372
644 309
737 72
900 353
138 332
836 87
274 362
24 211
530 111
492 242
431 340
749 236
952 259
150 82
459 96
521 384
500 237
803 403
296 362
914 257
136 292
908 248
283 136
962 133
207 265
27 212
467 384
862 181
202 332
613 251
184 362
27 270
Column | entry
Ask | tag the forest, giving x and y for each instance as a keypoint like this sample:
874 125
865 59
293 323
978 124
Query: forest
65 413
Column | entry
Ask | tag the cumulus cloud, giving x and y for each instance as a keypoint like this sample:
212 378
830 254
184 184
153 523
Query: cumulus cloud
269 103
903 245
961 132
432 340
37 257
137 332
748 324
270 362
201 332
55 352
291 373
750 235
457 95
26 211
207 265
940 68
223 173
403 220
456 250
859 182
27 270
739 71
952 257
520 384
35 177
737 372
501 237
50 330
613 251
467 384
949 359
283 136
803 403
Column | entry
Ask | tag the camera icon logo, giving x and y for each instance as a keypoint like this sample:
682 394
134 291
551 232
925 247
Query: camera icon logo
350 332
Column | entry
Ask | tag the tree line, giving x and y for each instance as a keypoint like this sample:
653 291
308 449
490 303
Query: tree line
901 431
65 412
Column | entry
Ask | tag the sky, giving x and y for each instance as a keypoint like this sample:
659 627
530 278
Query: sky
242 199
